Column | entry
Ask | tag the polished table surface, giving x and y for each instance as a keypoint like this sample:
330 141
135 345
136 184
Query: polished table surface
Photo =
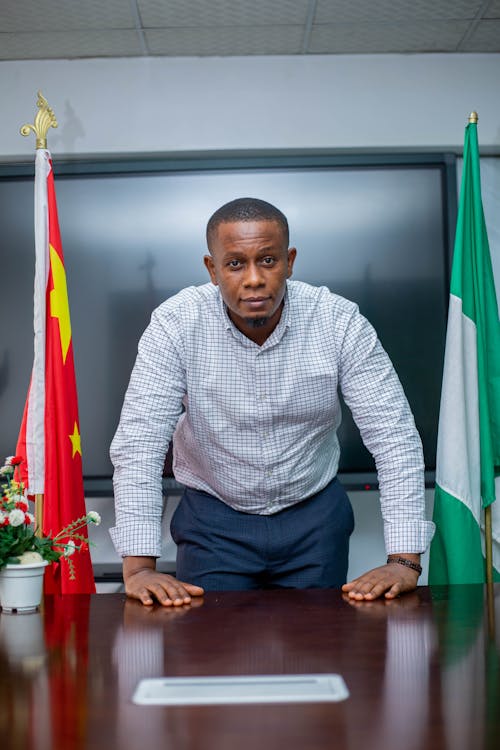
422 671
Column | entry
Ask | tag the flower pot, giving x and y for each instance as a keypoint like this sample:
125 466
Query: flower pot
21 587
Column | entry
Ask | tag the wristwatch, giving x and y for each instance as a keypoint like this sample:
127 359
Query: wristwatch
404 561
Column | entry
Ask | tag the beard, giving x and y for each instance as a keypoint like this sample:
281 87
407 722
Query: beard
257 322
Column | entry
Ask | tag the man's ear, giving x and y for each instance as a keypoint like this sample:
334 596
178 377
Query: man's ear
210 266
292 254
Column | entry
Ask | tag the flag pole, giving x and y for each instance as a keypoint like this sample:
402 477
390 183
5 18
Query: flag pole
488 543
44 120
490 592
488 527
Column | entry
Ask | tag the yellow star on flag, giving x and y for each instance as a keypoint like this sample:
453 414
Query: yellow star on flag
76 441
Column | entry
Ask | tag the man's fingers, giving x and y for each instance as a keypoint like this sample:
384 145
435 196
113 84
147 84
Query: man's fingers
394 591
386 581
181 593
171 592
168 594
149 585
193 590
143 595
350 585
368 586
368 590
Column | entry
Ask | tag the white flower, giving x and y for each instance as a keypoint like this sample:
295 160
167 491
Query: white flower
30 557
31 517
70 548
18 498
94 517
7 469
3 516
16 517
8 460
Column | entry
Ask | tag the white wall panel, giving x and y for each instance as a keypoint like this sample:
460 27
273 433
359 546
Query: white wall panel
341 103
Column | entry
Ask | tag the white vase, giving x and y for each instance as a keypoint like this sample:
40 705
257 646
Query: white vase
21 587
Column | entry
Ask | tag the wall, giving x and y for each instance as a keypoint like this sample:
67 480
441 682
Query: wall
164 105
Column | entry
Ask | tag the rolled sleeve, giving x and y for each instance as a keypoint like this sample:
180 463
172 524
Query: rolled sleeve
408 536
137 539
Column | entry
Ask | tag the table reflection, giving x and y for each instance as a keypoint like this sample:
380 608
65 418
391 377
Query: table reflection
43 667
403 714
139 652
470 666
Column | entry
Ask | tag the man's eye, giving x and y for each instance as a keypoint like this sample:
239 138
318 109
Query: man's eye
268 261
234 264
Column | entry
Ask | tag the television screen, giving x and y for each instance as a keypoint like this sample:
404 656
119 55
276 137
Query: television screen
375 233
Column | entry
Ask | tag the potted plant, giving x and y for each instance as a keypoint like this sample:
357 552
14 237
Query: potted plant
23 553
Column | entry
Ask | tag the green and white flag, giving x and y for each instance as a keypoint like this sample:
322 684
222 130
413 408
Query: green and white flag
468 450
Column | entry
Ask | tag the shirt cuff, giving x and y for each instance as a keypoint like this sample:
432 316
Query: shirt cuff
413 537
137 539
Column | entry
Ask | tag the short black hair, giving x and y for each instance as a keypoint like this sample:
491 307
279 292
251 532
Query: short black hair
247 209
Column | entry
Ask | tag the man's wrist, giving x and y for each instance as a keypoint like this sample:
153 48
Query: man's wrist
133 564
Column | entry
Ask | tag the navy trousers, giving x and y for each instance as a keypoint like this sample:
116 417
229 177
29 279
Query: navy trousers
304 546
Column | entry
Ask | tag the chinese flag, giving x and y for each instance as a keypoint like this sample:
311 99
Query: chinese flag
49 438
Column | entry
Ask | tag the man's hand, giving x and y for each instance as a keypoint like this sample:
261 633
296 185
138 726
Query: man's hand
389 580
144 582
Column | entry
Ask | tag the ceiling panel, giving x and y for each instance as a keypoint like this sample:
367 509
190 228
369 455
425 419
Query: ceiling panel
69 44
493 10
65 15
238 40
484 38
159 13
339 11
440 36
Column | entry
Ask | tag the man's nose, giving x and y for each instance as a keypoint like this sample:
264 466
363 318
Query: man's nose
253 276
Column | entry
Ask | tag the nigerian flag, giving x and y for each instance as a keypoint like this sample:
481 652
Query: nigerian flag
468 449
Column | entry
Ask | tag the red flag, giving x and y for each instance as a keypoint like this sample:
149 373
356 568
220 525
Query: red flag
49 438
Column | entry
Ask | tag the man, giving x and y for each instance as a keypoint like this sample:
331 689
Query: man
244 372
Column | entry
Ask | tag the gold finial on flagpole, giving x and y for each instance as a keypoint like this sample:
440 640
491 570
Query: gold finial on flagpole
45 119
473 118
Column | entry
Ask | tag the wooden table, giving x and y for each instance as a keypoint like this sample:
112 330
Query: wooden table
422 671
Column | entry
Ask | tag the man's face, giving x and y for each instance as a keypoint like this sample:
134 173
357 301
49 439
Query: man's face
250 263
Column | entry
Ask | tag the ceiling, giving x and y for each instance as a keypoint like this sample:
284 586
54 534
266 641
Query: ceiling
52 29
